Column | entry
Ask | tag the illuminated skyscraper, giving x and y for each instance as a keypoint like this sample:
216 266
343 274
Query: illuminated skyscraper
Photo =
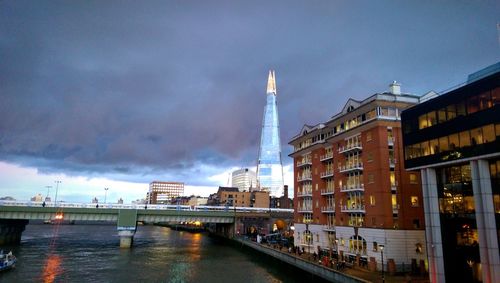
269 167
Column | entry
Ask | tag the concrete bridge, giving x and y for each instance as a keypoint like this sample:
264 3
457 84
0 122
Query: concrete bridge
15 215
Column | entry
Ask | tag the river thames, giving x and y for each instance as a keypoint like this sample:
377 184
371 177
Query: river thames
91 253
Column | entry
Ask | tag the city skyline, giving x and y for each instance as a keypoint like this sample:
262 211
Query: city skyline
101 95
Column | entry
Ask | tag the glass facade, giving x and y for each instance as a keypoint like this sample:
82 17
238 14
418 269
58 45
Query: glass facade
269 167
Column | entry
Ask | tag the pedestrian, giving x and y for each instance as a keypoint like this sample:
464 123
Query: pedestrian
43 204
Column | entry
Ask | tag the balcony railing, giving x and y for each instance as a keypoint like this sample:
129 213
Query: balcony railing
328 209
395 208
353 188
304 162
394 186
329 228
359 208
392 162
327 173
327 191
326 156
390 141
351 167
304 193
303 178
304 209
351 147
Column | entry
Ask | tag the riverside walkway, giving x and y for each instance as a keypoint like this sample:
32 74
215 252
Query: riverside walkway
348 274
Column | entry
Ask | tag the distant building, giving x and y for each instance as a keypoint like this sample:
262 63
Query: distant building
95 200
281 202
197 200
120 201
163 192
180 200
454 141
231 196
38 197
243 179
269 167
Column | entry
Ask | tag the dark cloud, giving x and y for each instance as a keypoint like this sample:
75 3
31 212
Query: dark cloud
133 88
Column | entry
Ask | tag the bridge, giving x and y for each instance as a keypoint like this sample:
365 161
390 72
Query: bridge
14 215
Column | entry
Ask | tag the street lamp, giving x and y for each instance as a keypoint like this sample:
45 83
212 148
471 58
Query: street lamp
105 194
48 191
57 187
382 255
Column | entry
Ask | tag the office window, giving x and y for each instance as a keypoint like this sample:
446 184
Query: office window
414 201
442 115
488 133
431 118
472 104
476 136
443 144
464 138
451 111
485 100
495 96
413 178
434 146
424 147
453 141
422 122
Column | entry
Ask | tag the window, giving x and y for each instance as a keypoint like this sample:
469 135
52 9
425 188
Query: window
461 109
370 157
413 178
434 146
488 133
442 115
453 141
451 111
370 179
495 96
443 144
368 136
422 122
472 104
372 200
464 138
476 136
416 225
375 246
414 201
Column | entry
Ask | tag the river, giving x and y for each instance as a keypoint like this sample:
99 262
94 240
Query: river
91 253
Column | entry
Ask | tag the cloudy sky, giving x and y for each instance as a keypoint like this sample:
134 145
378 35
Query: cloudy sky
117 94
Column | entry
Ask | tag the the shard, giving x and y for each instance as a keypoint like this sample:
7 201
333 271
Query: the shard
269 167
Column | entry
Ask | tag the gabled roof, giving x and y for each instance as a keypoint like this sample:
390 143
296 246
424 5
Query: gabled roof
350 105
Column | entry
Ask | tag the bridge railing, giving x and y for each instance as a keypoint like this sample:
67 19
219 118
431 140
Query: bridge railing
142 206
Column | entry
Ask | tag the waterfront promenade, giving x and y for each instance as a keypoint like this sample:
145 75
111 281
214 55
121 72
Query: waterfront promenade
353 273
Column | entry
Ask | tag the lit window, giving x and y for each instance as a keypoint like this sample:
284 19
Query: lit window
414 201
413 178
372 200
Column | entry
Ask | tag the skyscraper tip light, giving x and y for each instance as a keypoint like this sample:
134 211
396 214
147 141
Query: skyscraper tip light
269 167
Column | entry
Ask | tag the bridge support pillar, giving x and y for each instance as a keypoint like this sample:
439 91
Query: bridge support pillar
126 238
127 225
11 231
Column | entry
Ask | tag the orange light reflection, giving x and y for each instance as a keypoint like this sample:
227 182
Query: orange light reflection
51 269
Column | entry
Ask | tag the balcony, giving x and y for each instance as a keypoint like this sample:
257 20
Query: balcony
395 208
351 148
392 162
327 191
359 208
304 209
351 167
328 209
328 173
394 186
329 228
304 193
325 157
305 177
390 141
304 162
353 188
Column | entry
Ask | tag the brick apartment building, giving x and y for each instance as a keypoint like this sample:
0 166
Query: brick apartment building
353 196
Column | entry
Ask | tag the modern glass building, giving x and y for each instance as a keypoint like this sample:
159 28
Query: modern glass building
269 167
454 140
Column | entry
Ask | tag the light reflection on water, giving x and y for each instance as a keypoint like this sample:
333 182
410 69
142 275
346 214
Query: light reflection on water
91 253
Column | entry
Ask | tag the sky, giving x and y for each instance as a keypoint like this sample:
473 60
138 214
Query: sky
116 94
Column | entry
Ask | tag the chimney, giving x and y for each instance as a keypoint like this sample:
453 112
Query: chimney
285 201
395 88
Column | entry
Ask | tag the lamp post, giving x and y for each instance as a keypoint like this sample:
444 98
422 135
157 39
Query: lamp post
105 194
57 187
48 191
382 256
